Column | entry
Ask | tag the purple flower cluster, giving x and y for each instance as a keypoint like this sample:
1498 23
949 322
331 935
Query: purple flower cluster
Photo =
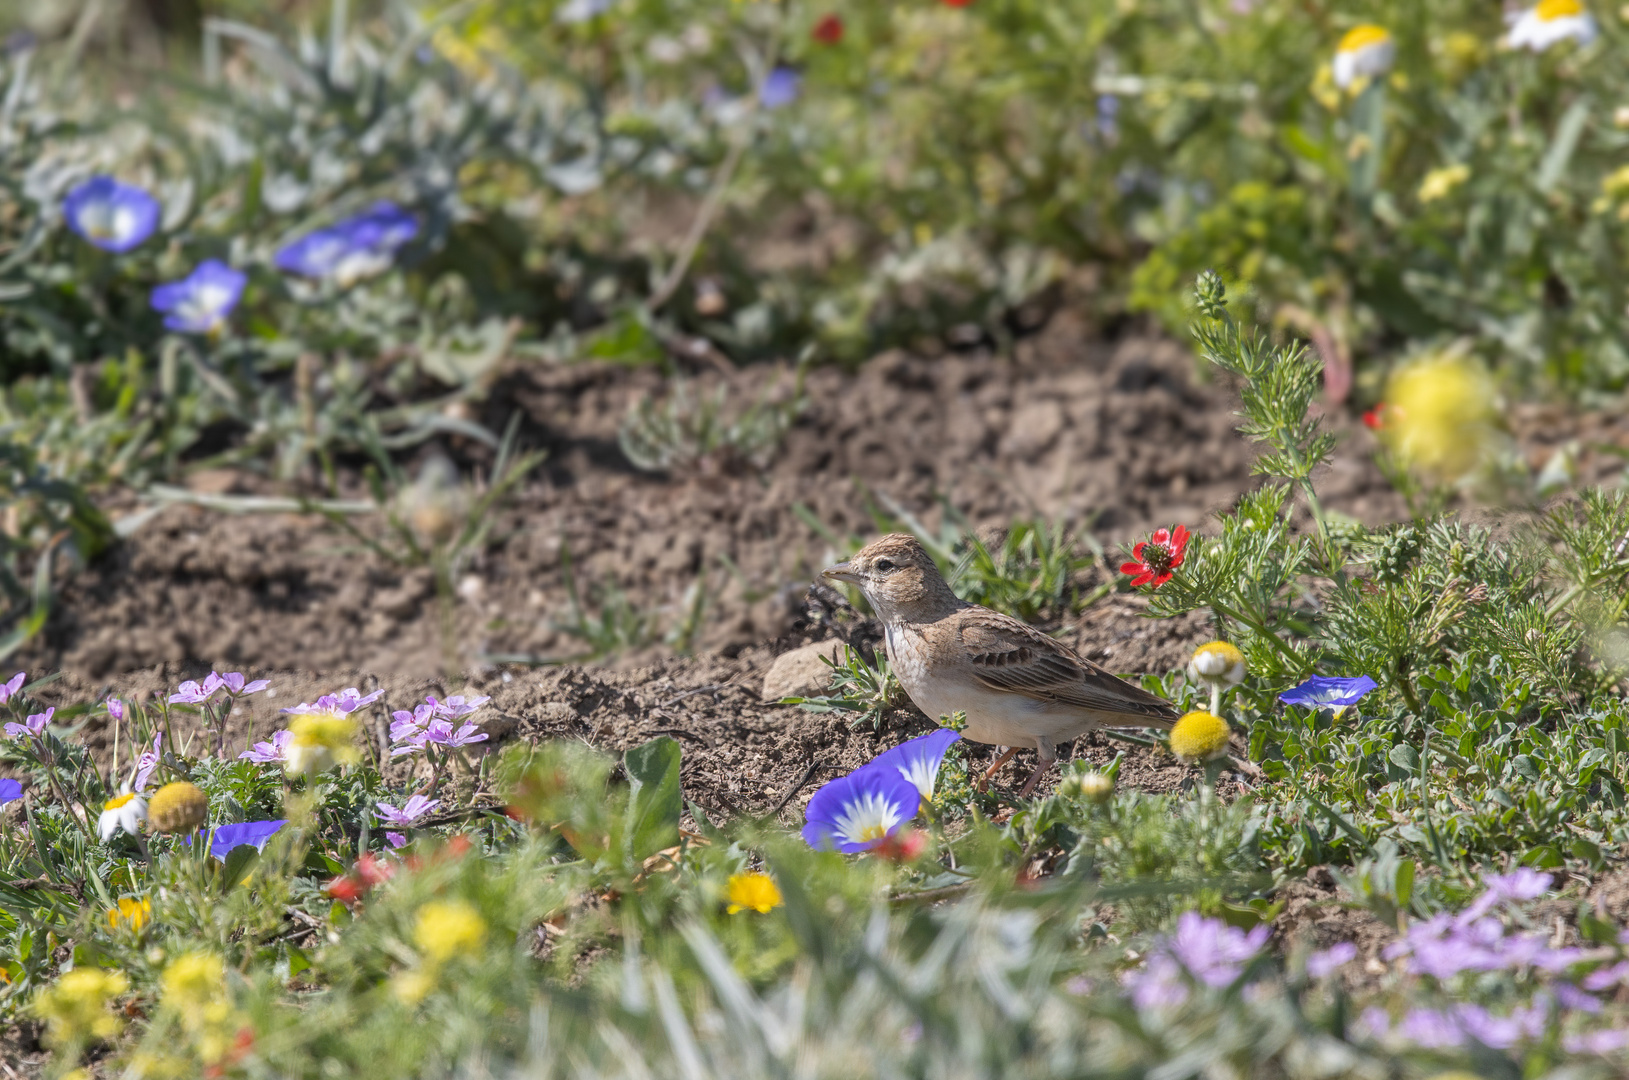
431 724
343 703
194 693
1207 951
1438 1029
1473 940
350 250
33 727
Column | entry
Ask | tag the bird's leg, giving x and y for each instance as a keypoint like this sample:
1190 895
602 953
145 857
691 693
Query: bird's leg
1006 755
1046 756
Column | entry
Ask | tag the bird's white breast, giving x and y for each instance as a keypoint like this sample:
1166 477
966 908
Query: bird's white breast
939 690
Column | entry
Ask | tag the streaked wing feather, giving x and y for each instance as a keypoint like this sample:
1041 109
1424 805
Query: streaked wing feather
1012 656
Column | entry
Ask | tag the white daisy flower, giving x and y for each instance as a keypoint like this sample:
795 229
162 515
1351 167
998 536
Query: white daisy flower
126 811
1550 22
1366 52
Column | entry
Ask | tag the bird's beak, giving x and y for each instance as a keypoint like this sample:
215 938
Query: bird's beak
842 572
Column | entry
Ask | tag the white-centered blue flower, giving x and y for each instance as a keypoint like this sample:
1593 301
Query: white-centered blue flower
200 302
780 87
111 215
1551 22
858 811
918 760
353 249
1328 692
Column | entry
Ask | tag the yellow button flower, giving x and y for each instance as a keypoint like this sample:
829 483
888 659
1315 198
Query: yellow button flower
1440 415
1199 736
177 807
1217 663
754 891
1365 53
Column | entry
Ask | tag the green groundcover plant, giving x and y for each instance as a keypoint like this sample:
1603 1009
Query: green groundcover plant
1433 710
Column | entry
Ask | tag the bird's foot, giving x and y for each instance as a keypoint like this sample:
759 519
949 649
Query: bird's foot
989 774
1035 778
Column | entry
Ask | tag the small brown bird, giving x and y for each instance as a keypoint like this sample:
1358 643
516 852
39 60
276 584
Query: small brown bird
1018 687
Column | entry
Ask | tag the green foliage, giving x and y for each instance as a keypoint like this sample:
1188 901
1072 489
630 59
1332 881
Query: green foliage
687 434
858 687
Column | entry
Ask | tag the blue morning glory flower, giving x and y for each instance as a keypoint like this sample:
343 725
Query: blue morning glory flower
10 790
350 250
1328 692
253 833
917 761
200 302
780 87
858 811
112 216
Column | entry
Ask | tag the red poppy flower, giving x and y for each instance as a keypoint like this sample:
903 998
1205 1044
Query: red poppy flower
373 871
1157 558
1375 417
346 889
828 31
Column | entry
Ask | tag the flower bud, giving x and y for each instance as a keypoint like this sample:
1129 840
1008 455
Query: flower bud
1211 295
1095 787
1218 664
1199 736
177 807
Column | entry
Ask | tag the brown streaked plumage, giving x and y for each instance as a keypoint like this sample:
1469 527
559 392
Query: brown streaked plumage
1018 687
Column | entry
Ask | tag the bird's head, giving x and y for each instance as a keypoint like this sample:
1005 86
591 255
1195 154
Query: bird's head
899 577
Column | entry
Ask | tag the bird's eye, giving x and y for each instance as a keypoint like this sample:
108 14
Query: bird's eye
884 565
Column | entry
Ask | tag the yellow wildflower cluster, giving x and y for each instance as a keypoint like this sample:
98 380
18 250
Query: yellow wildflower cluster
130 912
75 1007
194 986
1439 416
443 930
320 741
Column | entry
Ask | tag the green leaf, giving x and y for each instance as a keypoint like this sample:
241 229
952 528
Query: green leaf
654 802
238 862
1404 757
1403 889
1559 153
1525 767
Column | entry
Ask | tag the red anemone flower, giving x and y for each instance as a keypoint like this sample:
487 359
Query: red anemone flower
1157 558
957 3
1375 417
828 31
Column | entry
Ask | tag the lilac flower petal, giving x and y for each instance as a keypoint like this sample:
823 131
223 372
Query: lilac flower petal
1159 985
917 760
267 752
115 708
10 790
1322 691
1606 1041
189 693
253 833
353 248
11 686
110 215
855 812
396 839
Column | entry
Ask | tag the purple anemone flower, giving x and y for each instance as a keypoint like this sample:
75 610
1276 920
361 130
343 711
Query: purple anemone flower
457 705
112 216
1212 951
343 703
858 811
1328 692
148 762
200 302
10 687
10 790
917 760
779 88
1524 883
1321 965
415 808
268 752
350 250
251 833
34 725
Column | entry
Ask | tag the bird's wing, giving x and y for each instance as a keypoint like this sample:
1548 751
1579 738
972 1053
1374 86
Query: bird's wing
1013 656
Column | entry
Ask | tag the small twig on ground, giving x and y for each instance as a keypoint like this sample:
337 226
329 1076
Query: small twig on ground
794 789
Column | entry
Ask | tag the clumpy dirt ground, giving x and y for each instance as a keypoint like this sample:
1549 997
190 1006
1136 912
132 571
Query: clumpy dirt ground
1114 437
